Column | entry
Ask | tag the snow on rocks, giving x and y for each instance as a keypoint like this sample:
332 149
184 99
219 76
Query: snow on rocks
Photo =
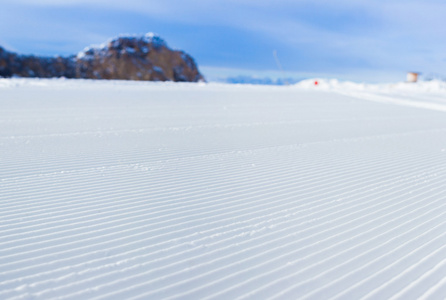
125 57
131 190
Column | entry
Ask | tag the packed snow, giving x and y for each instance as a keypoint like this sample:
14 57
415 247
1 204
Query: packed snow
139 190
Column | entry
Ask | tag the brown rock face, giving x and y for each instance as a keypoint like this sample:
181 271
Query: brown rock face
130 58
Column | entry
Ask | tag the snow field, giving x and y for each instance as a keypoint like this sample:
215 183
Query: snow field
123 190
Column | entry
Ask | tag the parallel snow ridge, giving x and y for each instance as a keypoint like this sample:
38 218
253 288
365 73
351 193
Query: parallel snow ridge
145 191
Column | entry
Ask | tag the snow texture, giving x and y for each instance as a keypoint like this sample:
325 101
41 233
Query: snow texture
140 190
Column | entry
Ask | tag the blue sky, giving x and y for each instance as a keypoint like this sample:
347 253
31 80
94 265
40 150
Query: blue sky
353 40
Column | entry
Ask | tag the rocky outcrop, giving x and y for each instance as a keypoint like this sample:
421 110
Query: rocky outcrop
12 64
131 58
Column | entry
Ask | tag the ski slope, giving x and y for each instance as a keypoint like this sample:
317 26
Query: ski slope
125 190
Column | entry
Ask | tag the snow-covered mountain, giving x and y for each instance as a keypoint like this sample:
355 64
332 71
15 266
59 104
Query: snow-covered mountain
260 80
144 57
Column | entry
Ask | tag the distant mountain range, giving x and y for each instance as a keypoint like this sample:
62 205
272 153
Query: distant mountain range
260 80
144 57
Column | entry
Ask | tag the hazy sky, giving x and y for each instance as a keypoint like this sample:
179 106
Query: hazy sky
349 39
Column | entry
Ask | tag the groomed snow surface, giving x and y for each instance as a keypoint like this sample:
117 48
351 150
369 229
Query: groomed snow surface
125 190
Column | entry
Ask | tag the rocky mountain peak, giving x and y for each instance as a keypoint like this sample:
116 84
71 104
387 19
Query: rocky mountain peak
145 57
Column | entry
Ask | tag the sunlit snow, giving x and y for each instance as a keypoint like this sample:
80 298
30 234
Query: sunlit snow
133 190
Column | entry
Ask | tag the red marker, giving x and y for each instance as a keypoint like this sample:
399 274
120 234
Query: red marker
316 83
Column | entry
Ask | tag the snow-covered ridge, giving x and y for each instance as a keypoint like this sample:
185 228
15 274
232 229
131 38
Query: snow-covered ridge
423 94
322 84
334 84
